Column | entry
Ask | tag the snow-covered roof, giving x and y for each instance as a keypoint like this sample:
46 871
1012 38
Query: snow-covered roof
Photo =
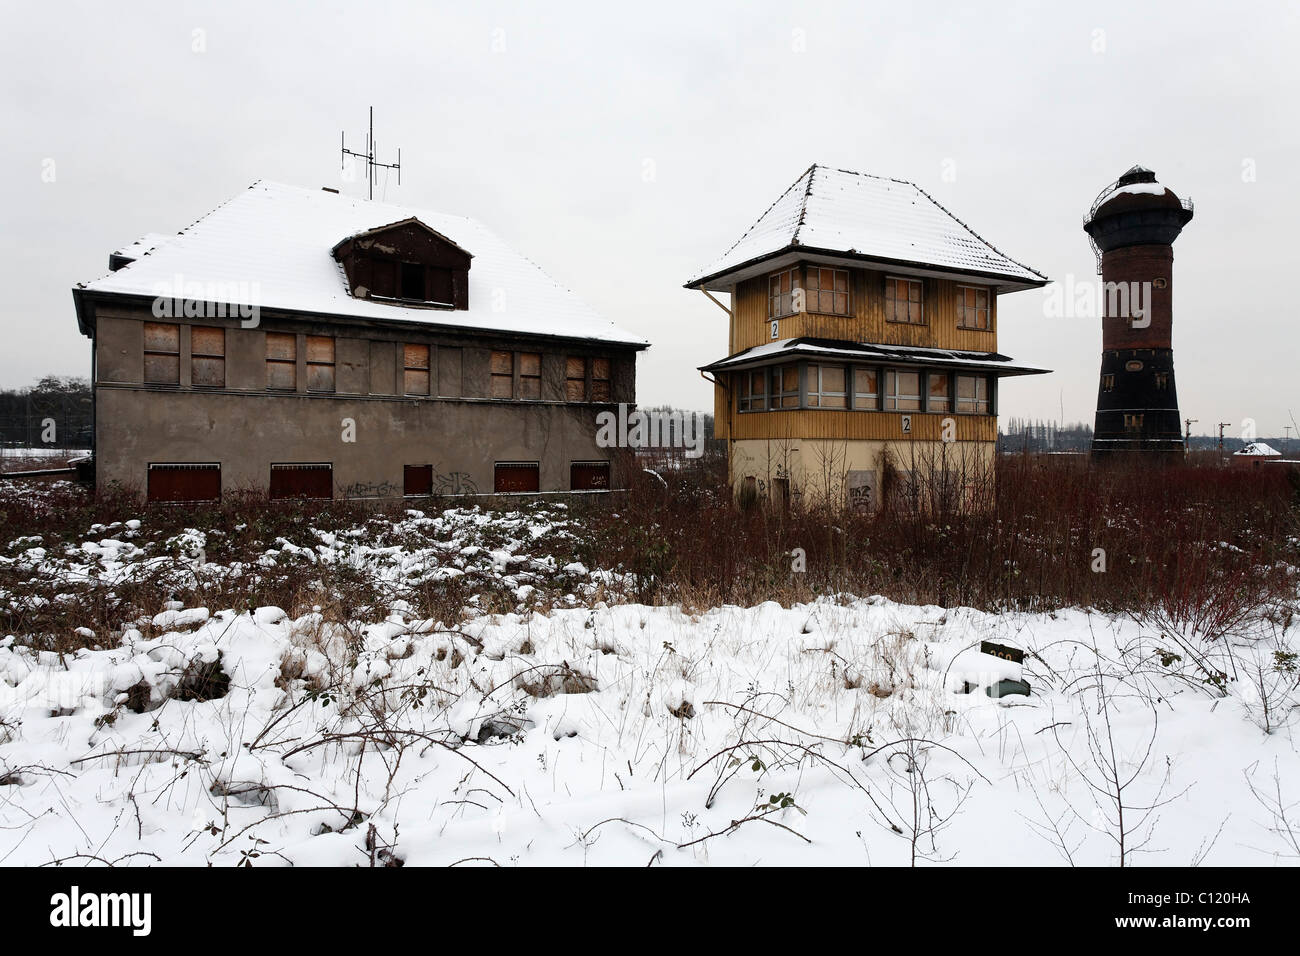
831 349
142 246
271 244
867 217
1259 449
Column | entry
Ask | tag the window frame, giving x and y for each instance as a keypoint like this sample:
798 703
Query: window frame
892 396
172 329
833 291
291 362
959 400
529 382
963 309
859 398
317 364
408 369
816 392
892 300
775 302
196 356
495 377
747 400
947 402
777 397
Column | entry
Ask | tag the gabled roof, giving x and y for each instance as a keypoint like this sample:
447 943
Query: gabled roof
408 221
1259 449
804 347
272 245
859 216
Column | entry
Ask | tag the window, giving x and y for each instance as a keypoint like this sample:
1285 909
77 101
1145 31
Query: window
938 392
785 386
503 375
589 476
515 476
320 363
1132 421
780 293
826 386
207 357
866 388
1108 383
973 394
162 354
302 481
903 301
752 395
1162 381
417 480
973 308
281 361
530 375
828 291
415 369
412 277
575 379
184 482
600 380
902 391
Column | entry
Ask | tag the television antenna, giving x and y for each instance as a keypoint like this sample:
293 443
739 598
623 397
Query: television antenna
369 156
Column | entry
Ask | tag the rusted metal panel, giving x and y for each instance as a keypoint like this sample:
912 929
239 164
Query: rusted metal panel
516 476
415 378
208 342
320 349
589 476
208 372
162 369
417 480
302 480
162 337
281 346
320 378
162 354
184 482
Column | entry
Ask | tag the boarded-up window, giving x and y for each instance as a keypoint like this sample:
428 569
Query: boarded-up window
320 363
589 476
207 357
903 302
866 388
162 354
415 376
281 361
417 480
973 394
973 308
600 380
575 379
902 391
826 386
503 375
515 476
449 372
530 375
828 291
168 482
302 481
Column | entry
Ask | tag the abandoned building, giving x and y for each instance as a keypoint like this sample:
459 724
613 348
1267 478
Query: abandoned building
302 343
862 361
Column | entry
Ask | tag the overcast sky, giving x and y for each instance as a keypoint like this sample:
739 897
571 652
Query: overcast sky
623 146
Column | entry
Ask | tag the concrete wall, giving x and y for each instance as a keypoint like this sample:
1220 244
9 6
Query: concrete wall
246 428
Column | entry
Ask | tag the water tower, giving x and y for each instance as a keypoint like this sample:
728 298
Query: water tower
1133 224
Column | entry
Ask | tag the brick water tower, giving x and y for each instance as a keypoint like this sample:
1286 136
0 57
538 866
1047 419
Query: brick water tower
1133 224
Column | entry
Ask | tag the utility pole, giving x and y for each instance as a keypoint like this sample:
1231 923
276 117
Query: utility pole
369 157
1222 426
1286 441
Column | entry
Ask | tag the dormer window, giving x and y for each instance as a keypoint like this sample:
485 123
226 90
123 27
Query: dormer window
406 263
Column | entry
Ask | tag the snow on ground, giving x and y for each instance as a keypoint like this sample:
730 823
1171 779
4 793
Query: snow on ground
849 731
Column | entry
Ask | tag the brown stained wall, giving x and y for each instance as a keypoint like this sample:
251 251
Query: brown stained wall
1140 264
246 428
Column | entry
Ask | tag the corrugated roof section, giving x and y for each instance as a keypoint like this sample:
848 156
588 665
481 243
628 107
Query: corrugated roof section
269 246
871 216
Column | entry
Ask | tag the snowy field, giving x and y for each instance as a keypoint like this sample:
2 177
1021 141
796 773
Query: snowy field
847 731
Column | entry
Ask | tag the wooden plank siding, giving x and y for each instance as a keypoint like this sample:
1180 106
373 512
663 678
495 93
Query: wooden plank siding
750 325
854 425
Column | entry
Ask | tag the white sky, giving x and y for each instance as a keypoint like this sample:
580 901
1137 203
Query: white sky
542 120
